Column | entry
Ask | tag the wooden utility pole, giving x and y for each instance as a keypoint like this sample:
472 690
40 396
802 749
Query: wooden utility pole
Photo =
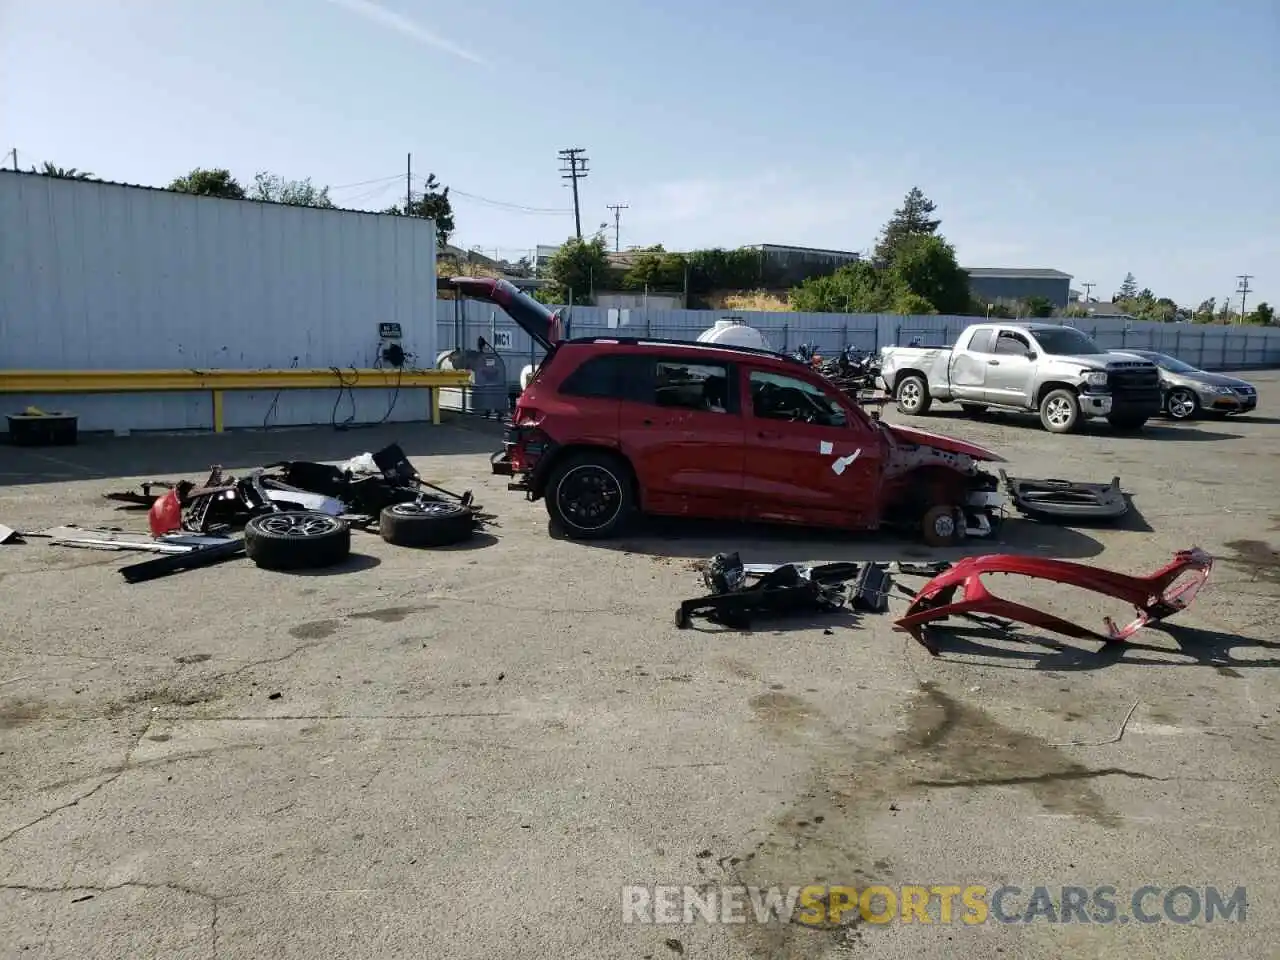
617 209
575 169
408 184
1244 291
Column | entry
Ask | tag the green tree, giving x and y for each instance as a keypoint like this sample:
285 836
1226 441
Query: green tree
854 288
48 169
296 193
215 182
1263 314
925 265
1038 307
1128 289
913 219
1206 311
576 268
656 269
432 204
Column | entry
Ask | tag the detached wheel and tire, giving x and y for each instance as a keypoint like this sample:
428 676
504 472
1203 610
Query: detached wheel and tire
1060 411
590 496
913 396
432 523
296 540
1182 404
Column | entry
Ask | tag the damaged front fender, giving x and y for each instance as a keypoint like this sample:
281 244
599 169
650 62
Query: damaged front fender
1155 597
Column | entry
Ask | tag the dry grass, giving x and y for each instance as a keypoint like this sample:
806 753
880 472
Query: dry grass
765 301
452 268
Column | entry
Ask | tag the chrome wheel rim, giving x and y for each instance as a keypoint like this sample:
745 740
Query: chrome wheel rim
1058 411
432 508
910 394
945 525
1181 405
299 524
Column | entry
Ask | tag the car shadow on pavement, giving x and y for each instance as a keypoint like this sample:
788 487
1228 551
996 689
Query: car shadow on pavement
842 618
1192 647
355 563
759 543
1162 431
189 456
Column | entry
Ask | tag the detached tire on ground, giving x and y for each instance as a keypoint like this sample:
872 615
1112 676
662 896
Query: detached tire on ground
297 540
434 523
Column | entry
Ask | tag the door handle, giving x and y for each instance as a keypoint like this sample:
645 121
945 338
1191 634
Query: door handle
768 435
647 422
993 363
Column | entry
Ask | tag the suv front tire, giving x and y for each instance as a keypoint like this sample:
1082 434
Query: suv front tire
590 495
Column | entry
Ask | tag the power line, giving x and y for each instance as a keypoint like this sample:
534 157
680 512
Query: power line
516 207
575 170
617 209
366 183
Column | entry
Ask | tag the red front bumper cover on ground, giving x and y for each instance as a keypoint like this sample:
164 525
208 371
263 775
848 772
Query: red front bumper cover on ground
1160 595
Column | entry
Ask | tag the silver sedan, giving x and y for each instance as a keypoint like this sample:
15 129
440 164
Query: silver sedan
1190 392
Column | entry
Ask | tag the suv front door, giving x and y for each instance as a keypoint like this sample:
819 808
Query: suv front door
1009 371
681 426
811 457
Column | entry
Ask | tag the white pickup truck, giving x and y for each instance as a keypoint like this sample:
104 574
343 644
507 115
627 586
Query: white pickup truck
1050 369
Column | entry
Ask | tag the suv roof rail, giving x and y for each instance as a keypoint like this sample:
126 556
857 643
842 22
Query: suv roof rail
691 345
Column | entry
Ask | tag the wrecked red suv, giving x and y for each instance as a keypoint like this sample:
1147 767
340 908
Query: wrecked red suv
614 427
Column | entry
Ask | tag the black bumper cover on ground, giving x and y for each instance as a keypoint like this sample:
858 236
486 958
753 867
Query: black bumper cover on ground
1066 500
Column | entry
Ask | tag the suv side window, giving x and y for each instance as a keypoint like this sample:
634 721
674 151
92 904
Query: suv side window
980 342
693 386
1010 343
613 376
775 396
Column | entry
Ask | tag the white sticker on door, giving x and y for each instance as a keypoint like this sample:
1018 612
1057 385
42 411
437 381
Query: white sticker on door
825 447
841 464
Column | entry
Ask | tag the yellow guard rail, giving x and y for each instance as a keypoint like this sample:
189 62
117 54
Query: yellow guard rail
218 381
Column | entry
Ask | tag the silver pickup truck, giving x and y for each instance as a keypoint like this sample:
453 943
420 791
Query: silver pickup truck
1044 368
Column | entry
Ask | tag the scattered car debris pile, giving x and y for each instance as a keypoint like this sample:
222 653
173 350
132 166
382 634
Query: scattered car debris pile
735 599
290 515
740 593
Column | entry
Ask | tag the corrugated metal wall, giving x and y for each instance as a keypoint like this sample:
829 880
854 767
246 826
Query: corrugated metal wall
1211 347
111 277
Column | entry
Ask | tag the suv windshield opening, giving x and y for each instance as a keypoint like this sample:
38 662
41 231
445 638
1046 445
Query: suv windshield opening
1066 342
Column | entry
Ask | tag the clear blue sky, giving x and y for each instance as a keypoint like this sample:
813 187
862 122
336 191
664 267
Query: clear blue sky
1093 137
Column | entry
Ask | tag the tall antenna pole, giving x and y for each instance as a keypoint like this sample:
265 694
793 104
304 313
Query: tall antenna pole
617 209
575 170
1244 291
408 183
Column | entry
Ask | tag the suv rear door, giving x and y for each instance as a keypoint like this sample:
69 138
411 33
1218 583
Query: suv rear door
681 426
812 457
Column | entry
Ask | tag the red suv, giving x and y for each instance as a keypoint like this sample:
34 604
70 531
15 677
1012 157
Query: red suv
613 427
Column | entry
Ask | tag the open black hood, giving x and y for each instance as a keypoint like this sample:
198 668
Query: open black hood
536 319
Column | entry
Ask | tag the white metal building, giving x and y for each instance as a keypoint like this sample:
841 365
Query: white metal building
105 276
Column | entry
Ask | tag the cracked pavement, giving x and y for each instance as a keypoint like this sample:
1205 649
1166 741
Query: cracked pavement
468 752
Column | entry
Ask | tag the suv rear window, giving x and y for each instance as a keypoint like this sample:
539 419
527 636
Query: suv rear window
614 376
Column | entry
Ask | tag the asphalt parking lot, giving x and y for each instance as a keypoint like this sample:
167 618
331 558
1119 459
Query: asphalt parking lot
469 752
